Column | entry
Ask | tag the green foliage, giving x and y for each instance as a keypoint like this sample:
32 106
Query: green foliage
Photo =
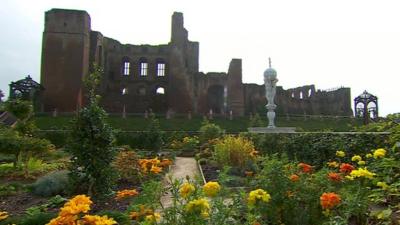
317 148
209 131
256 121
121 218
41 218
152 136
52 184
11 142
19 108
91 145
150 195
11 188
234 151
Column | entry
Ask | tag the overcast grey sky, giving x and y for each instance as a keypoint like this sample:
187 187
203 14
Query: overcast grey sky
351 43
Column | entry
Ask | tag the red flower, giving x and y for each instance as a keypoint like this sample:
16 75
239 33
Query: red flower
334 177
329 200
305 167
346 168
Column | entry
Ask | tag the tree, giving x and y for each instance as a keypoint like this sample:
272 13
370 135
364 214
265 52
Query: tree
153 135
91 144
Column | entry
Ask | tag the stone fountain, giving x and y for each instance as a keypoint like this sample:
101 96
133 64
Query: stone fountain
270 80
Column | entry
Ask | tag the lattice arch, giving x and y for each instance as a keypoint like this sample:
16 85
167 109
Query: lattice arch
25 89
366 107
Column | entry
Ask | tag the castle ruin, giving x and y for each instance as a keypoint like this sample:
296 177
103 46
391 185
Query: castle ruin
163 78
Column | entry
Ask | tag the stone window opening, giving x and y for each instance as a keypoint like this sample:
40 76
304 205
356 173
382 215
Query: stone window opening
124 91
292 94
309 93
127 68
160 91
144 66
301 95
160 69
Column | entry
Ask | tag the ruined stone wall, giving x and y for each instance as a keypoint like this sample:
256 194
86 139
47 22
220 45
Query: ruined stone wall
70 48
299 101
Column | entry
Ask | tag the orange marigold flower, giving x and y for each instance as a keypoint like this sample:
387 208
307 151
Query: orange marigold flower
329 200
126 193
294 177
305 167
155 169
134 215
334 177
165 162
346 168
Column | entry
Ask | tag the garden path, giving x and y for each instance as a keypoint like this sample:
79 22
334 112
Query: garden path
182 168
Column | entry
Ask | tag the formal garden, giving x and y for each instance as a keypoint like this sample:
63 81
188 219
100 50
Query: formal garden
92 173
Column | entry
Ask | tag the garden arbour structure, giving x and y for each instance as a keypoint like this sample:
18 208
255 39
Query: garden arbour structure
366 107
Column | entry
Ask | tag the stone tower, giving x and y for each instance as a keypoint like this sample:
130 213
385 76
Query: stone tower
65 58
235 87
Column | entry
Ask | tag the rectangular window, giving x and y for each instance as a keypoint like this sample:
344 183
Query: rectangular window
143 69
161 69
127 68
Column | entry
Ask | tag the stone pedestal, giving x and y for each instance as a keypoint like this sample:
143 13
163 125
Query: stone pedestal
268 130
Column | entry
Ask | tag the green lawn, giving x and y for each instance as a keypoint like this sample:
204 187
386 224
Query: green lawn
136 123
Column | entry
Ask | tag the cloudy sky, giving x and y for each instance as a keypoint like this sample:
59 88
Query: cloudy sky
351 43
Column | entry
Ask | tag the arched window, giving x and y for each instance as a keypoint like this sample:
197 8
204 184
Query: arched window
124 91
126 67
160 68
309 93
292 94
144 66
301 95
160 91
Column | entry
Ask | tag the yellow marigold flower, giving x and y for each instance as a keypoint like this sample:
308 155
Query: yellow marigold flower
356 158
379 153
78 204
155 161
383 185
340 153
369 155
3 215
97 220
361 163
186 189
258 194
333 164
153 218
155 169
349 177
211 189
200 206
360 172
126 193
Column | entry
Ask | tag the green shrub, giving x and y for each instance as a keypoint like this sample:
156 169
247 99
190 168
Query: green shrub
52 184
234 151
92 145
41 218
209 131
153 136
121 218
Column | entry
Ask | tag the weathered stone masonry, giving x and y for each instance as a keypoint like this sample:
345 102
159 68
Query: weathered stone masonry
158 77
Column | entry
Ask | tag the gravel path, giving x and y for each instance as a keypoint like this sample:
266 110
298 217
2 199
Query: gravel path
182 168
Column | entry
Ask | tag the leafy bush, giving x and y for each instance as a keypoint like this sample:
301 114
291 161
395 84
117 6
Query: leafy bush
52 184
209 131
38 219
126 163
92 146
153 136
234 151
256 121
